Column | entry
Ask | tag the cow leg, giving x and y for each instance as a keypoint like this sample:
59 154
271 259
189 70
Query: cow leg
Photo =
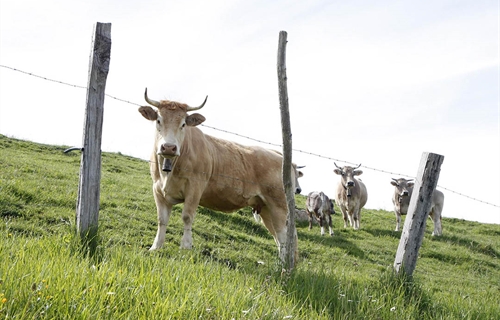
268 222
344 215
281 241
163 209
310 219
321 225
330 224
436 218
398 221
354 221
276 224
188 214
357 219
256 215
351 219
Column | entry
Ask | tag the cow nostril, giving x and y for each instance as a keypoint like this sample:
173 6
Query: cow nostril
167 148
350 184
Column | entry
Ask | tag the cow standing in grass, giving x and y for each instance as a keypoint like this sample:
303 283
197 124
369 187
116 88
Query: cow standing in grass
321 206
351 195
218 174
401 200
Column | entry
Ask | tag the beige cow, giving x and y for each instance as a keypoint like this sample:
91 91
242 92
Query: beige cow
215 173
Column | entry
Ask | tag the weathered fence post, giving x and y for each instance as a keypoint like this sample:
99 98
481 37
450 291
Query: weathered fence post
418 211
291 245
87 207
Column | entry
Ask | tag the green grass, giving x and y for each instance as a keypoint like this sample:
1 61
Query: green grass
232 271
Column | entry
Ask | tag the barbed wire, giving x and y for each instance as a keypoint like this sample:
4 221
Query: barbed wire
65 83
260 141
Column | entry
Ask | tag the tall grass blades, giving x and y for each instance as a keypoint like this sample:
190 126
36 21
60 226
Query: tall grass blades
233 270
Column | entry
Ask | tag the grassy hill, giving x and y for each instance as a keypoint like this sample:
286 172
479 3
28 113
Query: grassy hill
232 272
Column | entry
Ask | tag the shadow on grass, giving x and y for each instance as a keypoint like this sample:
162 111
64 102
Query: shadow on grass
470 244
349 299
237 220
88 245
384 233
337 241
222 238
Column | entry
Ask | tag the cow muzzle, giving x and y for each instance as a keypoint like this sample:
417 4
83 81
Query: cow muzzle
168 150
348 187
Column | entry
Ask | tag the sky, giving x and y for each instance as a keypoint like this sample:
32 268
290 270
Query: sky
376 83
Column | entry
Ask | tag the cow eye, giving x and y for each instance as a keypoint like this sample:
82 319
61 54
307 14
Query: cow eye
183 125
158 121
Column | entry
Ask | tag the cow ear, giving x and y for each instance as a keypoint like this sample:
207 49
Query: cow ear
394 183
337 171
357 172
148 113
194 119
410 184
301 174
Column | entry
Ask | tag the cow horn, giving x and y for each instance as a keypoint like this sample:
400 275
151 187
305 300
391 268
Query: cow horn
197 108
300 167
337 166
395 179
151 102
357 166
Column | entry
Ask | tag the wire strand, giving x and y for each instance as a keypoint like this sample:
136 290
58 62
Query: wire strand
260 141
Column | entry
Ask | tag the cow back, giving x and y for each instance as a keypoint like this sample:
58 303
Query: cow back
313 201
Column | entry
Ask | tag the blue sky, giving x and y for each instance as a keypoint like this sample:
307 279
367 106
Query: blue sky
376 83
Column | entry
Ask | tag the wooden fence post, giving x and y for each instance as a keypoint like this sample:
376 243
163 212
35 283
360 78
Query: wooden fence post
87 207
291 245
418 211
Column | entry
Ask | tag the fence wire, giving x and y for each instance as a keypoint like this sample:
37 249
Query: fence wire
260 141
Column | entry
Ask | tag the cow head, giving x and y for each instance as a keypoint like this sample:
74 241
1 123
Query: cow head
332 210
298 174
347 174
171 120
403 188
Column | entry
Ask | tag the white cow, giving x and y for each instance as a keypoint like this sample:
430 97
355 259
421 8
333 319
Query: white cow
321 206
351 195
401 200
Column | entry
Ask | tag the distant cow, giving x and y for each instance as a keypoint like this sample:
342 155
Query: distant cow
211 172
321 206
351 195
298 174
401 201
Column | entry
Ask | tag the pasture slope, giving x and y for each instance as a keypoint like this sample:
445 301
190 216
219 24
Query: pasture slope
232 272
